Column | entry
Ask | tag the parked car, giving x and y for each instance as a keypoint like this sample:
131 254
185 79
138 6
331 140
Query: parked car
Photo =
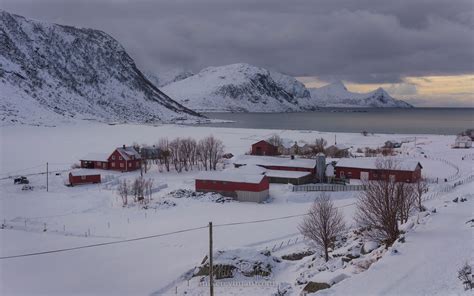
27 187
21 180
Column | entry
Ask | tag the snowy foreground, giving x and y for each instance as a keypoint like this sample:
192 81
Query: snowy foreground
435 247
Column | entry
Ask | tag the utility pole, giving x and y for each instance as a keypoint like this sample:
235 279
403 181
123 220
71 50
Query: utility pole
335 139
47 178
211 267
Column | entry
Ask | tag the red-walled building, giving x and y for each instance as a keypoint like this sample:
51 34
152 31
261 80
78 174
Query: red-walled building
366 169
242 187
264 148
81 177
121 159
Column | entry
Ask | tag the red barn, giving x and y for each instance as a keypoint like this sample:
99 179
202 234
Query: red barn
242 187
82 177
366 169
264 148
121 159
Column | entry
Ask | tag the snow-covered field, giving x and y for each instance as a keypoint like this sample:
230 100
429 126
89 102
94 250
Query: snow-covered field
90 214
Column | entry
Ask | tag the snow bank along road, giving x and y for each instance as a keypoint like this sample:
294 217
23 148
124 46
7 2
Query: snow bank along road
142 267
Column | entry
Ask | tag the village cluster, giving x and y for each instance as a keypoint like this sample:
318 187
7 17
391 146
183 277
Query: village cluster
248 177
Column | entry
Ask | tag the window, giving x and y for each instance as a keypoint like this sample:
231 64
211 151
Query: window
113 157
113 164
349 174
98 163
138 164
83 177
121 164
129 164
120 157
342 175
224 183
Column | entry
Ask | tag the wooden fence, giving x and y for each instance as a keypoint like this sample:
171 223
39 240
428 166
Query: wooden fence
327 187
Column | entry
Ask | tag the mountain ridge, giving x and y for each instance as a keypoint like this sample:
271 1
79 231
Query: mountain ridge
74 73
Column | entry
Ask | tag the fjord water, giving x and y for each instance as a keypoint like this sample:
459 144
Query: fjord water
442 121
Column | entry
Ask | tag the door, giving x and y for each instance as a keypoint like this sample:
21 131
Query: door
364 176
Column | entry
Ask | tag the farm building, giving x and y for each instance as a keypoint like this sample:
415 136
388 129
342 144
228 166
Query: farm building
121 159
278 163
462 142
83 177
242 187
290 147
264 148
366 168
277 176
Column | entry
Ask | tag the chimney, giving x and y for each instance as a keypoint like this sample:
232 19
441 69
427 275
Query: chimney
123 146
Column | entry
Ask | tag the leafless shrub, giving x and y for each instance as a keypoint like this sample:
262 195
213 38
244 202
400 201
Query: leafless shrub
406 199
421 187
164 146
323 224
124 190
138 188
465 276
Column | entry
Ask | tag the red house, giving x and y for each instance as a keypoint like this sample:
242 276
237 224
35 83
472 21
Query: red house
242 187
81 177
264 148
121 159
366 169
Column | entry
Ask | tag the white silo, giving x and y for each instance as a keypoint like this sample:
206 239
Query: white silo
321 167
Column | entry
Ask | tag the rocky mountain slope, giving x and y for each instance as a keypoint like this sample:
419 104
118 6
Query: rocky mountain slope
51 73
238 88
246 88
162 79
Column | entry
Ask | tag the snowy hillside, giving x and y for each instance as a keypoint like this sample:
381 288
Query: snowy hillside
161 79
337 95
238 88
51 73
246 88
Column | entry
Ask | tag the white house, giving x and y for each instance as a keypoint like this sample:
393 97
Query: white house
462 142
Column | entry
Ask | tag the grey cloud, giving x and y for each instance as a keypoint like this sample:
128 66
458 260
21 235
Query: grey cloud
365 41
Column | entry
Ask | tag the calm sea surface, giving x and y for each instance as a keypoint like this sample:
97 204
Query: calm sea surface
391 120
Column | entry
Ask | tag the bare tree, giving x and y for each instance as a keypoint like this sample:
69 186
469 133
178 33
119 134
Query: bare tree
164 146
275 140
123 190
319 145
378 206
421 187
138 188
406 200
323 224
465 276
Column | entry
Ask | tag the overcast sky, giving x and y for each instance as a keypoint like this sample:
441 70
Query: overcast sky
358 41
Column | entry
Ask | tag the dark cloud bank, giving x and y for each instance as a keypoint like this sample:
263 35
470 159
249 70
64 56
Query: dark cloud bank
360 41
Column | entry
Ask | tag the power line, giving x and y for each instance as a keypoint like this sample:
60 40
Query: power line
158 235
102 244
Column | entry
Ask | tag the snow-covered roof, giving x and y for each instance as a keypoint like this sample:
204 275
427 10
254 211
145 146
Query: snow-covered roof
96 157
250 169
231 176
127 152
84 173
286 174
399 164
275 161
463 139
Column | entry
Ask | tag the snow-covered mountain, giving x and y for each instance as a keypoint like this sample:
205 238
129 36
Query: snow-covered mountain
51 72
246 88
238 88
337 95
